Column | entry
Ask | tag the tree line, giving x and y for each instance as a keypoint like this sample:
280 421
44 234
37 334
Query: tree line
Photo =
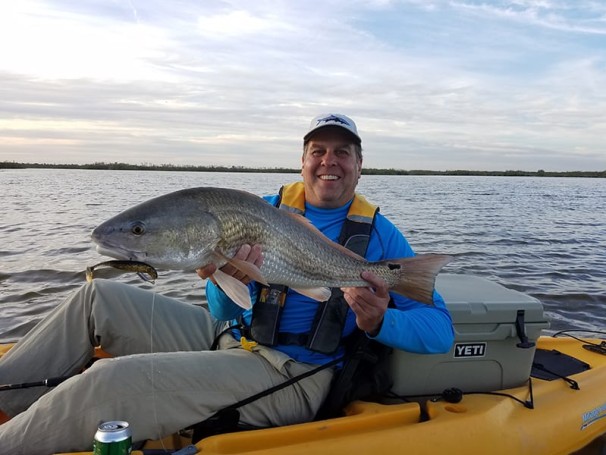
116 166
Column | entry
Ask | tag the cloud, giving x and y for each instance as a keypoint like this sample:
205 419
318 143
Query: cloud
586 17
436 85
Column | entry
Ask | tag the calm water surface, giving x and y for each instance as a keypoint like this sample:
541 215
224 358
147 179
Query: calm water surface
542 236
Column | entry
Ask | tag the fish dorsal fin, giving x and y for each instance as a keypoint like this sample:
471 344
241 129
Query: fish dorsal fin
305 222
234 289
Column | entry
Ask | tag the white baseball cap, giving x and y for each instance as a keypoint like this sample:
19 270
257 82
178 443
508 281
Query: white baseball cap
340 120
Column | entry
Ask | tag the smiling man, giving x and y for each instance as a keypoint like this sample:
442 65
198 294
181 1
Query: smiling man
310 332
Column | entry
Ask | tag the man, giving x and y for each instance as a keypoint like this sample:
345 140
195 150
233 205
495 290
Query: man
164 375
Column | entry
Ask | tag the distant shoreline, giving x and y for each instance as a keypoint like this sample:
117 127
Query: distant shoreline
170 167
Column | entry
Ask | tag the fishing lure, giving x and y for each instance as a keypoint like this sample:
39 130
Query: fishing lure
145 271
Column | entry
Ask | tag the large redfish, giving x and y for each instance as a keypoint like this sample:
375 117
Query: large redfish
194 227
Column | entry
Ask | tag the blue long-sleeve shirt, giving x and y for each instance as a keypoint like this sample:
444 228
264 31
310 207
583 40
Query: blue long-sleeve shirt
411 326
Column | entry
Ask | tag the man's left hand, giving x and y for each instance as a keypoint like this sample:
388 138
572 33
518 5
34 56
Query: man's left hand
369 304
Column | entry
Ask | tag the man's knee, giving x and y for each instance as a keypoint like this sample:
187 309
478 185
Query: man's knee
102 292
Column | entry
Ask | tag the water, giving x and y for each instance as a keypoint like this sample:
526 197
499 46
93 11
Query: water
542 236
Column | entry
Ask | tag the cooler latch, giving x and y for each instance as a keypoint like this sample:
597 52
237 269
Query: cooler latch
521 331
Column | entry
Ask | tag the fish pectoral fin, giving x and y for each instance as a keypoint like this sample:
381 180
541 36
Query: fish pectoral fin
234 289
319 294
249 269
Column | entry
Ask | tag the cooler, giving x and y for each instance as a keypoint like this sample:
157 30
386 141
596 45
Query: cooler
495 333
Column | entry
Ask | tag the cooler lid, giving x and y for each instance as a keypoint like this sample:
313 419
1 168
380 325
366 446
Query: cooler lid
472 299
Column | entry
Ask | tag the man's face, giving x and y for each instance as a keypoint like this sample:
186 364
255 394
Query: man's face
330 168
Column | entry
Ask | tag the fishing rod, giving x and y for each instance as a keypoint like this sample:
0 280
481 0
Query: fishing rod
50 382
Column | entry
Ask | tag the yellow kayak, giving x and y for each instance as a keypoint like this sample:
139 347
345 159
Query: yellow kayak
550 393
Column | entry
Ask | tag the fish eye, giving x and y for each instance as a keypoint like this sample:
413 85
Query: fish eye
138 229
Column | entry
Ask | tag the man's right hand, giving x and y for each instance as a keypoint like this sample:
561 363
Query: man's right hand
252 254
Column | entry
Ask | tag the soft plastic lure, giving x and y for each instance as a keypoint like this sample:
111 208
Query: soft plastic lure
145 271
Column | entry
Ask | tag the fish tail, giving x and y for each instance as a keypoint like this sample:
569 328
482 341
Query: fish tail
418 275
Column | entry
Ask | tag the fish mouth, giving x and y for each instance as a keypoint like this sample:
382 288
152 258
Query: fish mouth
106 248
117 252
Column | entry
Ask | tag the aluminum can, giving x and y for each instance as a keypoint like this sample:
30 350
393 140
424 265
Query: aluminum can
113 438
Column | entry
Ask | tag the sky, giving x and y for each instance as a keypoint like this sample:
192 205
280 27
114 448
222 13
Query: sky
437 85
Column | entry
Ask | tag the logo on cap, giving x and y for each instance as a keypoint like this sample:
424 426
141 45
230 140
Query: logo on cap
333 119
